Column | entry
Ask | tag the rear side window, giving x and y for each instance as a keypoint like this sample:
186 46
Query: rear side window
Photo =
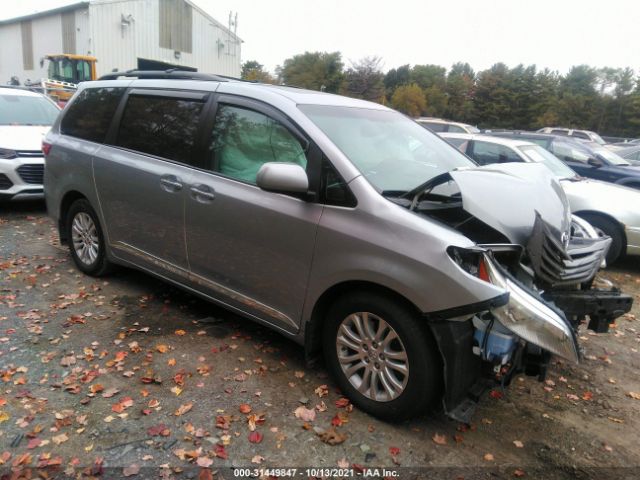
161 126
89 116
456 129
435 127
582 135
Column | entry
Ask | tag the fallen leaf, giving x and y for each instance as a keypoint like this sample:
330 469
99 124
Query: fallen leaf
634 395
161 348
257 459
305 414
439 439
110 392
518 444
488 457
204 462
518 473
330 437
180 333
58 439
131 470
245 408
182 409
342 402
255 437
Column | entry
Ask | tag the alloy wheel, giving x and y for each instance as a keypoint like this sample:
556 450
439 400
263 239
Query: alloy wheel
372 356
84 236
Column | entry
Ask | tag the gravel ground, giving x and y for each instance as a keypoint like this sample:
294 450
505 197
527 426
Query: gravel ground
127 376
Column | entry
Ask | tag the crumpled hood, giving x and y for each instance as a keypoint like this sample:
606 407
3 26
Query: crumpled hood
507 196
22 137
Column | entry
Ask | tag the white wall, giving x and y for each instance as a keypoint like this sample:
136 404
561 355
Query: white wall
119 48
47 38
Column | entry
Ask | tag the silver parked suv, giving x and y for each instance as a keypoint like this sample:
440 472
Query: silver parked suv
340 223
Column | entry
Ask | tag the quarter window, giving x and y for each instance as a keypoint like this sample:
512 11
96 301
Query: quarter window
89 116
161 126
486 153
243 140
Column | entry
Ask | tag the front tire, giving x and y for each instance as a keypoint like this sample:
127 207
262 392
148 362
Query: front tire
86 240
382 357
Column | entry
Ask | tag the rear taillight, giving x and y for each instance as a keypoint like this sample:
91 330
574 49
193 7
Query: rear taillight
46 148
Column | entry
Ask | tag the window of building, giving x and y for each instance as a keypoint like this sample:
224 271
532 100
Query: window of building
161 126
90 115
243 140
176 25
27 45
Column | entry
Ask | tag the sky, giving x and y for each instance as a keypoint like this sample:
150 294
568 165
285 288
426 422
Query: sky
549 33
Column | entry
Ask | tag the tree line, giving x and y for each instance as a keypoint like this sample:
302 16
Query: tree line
606 100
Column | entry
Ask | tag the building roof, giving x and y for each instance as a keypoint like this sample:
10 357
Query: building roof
45 13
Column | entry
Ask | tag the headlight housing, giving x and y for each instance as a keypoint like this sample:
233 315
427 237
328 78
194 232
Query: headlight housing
7 154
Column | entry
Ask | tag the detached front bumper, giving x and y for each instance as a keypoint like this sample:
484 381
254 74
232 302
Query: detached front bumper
530 317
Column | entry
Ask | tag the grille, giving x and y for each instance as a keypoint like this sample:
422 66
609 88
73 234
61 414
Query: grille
556 265
29 153
31 173
5 183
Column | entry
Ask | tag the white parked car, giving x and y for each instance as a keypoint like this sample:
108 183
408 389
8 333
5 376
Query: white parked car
587 135
439 125
613 209
25 118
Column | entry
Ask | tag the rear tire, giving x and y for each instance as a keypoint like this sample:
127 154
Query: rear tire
86 240
382 357
612 229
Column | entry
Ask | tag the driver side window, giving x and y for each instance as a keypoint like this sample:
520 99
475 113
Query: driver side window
243 140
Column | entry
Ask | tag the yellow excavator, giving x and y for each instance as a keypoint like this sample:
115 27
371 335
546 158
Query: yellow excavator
64 72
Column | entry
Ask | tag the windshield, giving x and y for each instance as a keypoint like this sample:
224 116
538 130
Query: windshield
538 154
26 110
611 157
392 152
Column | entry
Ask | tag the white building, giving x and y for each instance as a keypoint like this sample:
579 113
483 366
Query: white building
119 33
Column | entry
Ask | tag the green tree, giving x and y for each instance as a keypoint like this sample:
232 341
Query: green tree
255 72
426 76
437 100
460 90
396 77
409 99
313 70
364 79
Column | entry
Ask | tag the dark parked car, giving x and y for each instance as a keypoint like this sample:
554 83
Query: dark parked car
587 158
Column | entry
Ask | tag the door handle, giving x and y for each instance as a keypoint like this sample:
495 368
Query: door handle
202 193
171 183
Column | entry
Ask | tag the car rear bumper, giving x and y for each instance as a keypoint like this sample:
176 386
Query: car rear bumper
21 178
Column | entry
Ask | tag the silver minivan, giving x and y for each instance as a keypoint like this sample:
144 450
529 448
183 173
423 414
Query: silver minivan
342 224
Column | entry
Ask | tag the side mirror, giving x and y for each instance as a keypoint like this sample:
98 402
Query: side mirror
282 178
595 162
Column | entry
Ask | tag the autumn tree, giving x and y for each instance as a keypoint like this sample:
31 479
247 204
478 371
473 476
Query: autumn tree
409 99
313 70
255 72
364 79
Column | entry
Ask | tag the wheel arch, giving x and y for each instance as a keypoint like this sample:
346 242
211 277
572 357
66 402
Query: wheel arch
596 213
66 202
313 327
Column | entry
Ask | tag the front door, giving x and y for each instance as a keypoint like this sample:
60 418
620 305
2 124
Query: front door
249 248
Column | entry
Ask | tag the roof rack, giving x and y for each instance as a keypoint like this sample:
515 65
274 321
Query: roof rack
171 74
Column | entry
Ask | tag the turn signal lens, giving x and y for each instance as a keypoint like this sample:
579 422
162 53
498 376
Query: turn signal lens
46 148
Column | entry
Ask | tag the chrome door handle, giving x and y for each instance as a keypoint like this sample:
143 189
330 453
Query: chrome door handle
202 193
171 183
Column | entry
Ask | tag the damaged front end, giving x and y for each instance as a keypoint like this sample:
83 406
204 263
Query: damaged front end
529 245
